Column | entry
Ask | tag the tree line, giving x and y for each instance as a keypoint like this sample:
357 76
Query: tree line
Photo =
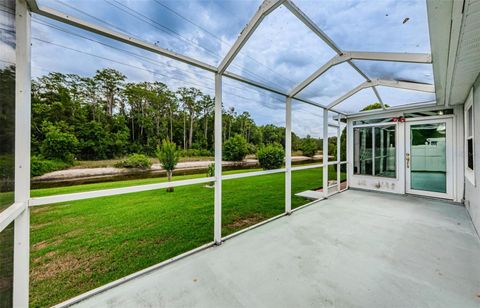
106 116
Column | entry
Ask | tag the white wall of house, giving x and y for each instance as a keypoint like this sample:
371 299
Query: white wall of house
398 184
472 190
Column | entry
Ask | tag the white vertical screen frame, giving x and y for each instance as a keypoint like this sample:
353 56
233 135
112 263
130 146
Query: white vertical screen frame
469 173
21 250
339 157
288 155
325 153
218 161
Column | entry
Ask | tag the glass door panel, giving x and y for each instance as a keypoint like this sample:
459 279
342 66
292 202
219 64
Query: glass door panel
428 157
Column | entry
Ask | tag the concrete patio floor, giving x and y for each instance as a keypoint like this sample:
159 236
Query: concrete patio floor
356 249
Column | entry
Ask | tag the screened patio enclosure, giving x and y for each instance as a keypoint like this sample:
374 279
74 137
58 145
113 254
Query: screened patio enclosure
381 79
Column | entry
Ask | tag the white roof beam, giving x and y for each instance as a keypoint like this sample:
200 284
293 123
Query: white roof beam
422 87
271 89
118 36
358 70
253 83
386 83
312 26
332 62
354 55
265 8
379 97
358 88
391 56
347 56
402 108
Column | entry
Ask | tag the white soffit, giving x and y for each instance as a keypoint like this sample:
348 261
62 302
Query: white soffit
440 28
467 61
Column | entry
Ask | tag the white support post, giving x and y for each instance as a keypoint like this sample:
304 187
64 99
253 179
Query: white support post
288 156
218 160
382 152
21 254
348 153
339 134
373 151
325 153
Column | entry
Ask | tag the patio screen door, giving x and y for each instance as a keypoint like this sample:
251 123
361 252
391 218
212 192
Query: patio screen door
429 158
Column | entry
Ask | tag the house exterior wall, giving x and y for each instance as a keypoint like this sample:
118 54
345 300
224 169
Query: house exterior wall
385 184
472 192
398 184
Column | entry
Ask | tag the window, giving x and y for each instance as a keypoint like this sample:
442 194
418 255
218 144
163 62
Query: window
375 151
469 139
363 144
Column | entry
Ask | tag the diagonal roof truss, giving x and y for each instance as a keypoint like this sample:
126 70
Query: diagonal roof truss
267 7
342 56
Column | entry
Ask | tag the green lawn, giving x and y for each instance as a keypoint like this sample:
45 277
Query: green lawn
77 246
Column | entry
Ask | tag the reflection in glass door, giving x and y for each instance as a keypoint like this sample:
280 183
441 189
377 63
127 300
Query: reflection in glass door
427 158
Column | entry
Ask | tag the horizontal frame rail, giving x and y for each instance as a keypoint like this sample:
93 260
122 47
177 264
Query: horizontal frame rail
250 174
115 191
312 166
10 214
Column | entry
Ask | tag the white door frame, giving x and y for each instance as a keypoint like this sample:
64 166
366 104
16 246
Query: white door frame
449 157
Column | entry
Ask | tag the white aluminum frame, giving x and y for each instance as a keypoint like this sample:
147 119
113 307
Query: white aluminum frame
21 252
385 83
469 173
19 211
450 166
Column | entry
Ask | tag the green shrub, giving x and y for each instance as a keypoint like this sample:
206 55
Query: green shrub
308 147
195 153
40 165
58 144
251 148
139 161
271 156
235 148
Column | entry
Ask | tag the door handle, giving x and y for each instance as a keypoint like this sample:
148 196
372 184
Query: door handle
407 158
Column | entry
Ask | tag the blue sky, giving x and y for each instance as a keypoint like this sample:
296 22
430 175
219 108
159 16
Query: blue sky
281 53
